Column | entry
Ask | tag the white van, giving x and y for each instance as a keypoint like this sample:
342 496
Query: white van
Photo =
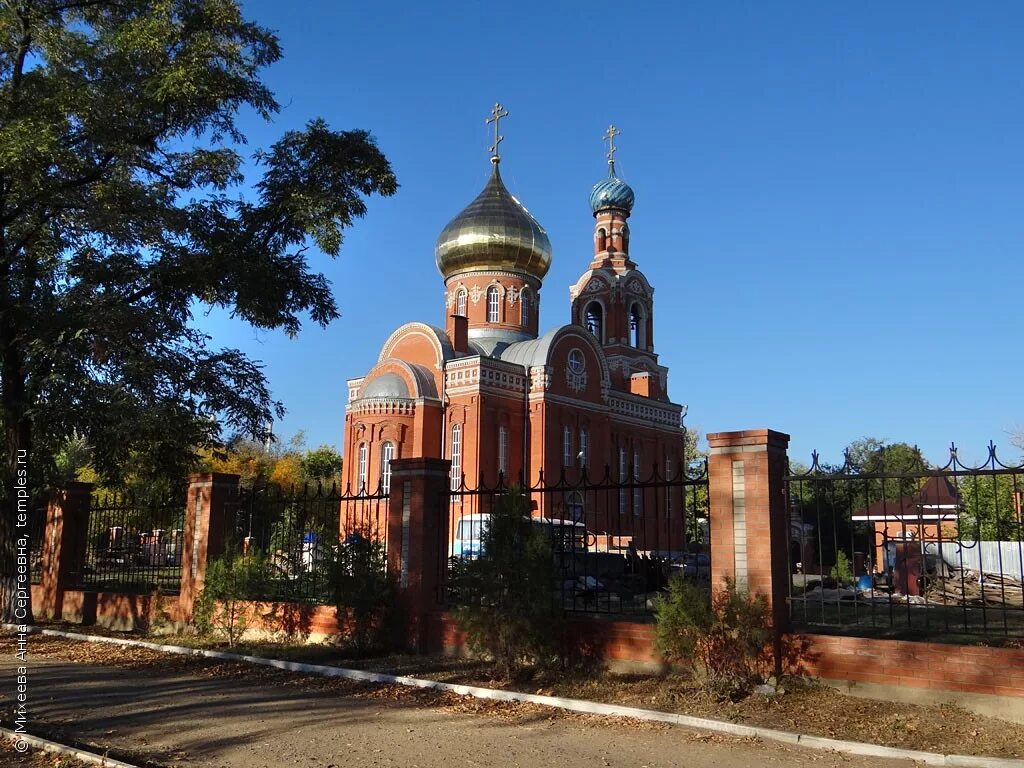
567 535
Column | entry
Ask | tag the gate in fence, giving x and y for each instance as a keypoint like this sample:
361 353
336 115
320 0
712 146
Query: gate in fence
927 554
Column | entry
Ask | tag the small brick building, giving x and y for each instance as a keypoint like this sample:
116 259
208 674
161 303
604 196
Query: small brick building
491 393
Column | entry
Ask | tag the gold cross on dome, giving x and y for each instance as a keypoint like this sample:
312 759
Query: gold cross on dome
497 112
609 136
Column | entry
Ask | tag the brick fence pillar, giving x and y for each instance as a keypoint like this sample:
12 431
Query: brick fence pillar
65 539
212 496
418 542
749 521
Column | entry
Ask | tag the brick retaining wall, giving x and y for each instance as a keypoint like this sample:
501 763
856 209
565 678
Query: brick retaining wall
939 666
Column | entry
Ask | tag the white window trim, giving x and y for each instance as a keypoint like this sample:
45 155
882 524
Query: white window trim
503 451
493 305
362 467
456 456
387 453
567 447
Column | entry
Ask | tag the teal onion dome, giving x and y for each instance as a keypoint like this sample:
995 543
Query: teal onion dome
612 192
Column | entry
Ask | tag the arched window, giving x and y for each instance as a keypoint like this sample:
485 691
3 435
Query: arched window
493 305
668 489
623 478
594 320
584 448
364 453
638 506
460 302
524 307
567 447
602 239
635 325
387 453
625 237
503 451
456 477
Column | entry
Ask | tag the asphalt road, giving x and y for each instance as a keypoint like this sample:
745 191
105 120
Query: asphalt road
184 720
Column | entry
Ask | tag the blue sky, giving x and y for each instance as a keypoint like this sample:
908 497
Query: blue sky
830 197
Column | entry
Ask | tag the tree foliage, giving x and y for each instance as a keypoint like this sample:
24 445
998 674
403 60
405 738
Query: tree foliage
723 637
506 597
231 582
124 207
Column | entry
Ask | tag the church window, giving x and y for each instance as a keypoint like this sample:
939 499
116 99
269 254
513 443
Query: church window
602 239
493 305
595 321
668 488
503 450
637 490
524 307
625 237
567 447
387 453
576 361
623 469
460 302
362 465
635 325
456 475
584 448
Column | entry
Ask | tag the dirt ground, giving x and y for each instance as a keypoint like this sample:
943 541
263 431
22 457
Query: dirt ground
184 712
805 709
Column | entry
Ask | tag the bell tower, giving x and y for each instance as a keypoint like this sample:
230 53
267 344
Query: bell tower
613 299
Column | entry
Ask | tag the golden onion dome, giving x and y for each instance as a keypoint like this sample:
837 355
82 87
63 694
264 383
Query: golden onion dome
494 232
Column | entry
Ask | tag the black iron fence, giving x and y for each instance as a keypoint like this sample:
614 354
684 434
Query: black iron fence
300 536
36 534
132 545
906 552
615 543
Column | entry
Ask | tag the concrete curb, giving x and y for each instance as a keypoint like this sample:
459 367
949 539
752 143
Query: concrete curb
55 748
571 705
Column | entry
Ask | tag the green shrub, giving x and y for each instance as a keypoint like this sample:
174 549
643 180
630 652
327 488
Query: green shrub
507 595
231 581
364 590
723 637
841 571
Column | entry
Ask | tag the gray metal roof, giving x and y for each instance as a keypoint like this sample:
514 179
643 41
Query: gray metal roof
386 385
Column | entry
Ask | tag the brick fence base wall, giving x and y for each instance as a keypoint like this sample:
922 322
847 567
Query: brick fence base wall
957 668
964 669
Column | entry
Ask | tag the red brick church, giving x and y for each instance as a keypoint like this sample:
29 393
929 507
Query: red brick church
491 393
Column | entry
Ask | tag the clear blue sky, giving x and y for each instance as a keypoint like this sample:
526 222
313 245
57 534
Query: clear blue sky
830 197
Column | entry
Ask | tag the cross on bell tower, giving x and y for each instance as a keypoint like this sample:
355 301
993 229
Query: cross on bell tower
609 136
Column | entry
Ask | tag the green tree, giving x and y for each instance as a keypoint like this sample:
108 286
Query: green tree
506 597
991 507
124 207
321 464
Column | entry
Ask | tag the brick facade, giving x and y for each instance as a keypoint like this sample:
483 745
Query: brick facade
490 394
